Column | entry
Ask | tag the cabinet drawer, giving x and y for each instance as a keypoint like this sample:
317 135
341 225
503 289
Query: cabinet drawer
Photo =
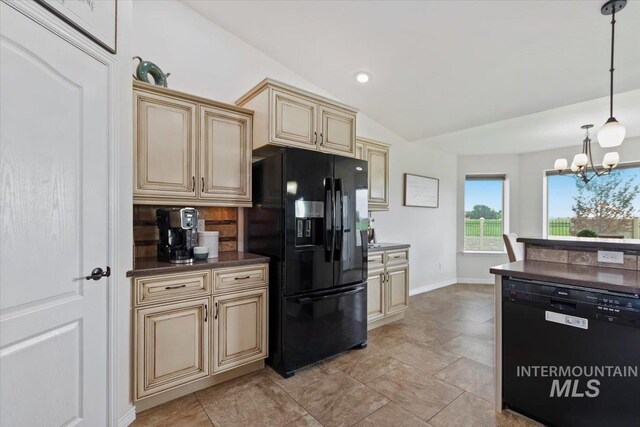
234 278
397 257
375 260
156 289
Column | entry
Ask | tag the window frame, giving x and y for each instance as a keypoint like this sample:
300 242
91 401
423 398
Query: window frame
505 208
545 189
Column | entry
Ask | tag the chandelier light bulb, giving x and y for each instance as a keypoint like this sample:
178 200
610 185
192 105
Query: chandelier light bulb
560 164
581 160
611 160
611 134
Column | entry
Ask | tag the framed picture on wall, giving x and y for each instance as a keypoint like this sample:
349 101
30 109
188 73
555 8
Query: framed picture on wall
421 191
96 19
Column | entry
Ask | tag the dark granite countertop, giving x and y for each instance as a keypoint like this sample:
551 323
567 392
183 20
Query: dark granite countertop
383 246
151 266
584 243
610 279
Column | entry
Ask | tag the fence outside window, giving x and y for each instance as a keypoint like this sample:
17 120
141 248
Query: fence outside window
483 234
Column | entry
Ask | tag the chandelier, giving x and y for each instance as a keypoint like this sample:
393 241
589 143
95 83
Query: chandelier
583 166
612 133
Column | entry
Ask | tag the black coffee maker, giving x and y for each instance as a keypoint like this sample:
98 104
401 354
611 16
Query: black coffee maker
178 234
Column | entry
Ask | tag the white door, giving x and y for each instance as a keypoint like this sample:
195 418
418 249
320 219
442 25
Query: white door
54 228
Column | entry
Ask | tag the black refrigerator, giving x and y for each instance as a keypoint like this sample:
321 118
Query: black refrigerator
310 217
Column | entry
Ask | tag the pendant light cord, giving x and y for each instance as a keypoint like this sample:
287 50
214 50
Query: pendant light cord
613 34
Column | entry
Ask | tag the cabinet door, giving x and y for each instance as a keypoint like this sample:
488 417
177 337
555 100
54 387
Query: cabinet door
375 295
378 159
337 131
164 145
397 289
359 150
239 329
293 120
225 156
172 345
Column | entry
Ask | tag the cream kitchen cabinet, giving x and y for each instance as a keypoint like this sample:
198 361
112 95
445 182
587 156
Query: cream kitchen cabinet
240 329
287 116
387 285
197 328
172 345
188 148
377 156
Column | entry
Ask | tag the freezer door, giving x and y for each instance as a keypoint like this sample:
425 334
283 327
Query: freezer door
323 324
351 222
309 217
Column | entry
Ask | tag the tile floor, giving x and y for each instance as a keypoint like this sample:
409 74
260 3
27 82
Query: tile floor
434 368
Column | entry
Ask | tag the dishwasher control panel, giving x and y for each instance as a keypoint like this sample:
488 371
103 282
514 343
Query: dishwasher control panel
568 299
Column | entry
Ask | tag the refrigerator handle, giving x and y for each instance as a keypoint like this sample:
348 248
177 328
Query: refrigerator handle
329 214
339 227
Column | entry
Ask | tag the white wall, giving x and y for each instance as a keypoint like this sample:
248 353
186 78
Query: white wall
206 60
525 173
474 267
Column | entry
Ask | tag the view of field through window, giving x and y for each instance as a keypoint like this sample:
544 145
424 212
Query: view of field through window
483 219
608 206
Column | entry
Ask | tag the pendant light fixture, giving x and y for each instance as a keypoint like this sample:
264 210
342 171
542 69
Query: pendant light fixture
612 133
582 165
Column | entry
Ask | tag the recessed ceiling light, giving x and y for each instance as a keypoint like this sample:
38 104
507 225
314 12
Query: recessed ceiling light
362 77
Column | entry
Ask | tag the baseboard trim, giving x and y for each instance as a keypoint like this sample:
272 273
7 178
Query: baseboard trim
472 281
431 287
127 418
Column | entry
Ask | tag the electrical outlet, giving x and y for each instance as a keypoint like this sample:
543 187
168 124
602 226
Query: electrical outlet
201 225
611 257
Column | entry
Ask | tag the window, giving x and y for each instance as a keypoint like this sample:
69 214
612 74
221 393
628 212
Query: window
484 215
608 206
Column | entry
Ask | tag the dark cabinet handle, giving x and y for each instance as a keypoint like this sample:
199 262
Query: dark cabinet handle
175 287
99 273
216 315
206 312
193 183
242 278
321 140
315 140
202 185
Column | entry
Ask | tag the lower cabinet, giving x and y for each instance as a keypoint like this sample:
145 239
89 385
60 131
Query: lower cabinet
387 286
239 329
397 289
185 337
172 345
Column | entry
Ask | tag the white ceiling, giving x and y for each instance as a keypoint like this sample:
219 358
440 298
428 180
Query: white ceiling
445 66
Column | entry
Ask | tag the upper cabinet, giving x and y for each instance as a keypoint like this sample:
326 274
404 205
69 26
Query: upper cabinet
377 155
192 149
288 116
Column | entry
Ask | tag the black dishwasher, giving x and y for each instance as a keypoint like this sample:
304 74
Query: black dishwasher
570 355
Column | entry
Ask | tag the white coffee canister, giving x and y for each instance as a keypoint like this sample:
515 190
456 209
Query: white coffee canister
210 240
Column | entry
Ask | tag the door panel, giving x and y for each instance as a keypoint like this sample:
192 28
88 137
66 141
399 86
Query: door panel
397 289
225 155
164 146
307 266
293 120
378 159
174 341
375 295
338 131
323 324
240 329
55 114
351 221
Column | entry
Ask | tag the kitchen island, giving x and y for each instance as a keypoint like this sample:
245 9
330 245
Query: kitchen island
600 300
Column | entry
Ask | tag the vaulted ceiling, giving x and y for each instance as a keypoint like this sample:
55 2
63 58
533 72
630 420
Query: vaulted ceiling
441 67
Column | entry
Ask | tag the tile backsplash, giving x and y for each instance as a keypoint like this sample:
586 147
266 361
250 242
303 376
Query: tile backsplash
577 257
145 231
